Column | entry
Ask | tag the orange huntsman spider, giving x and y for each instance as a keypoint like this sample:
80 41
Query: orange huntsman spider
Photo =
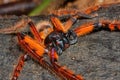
57 39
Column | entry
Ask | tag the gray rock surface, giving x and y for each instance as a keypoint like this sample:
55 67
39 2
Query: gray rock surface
96 56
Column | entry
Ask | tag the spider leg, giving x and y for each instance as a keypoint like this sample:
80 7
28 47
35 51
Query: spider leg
62 12
26 41
69 13
60 27
19 67
74 15
92 9
97 7
110 25
68 74
84 14
34 31
101 25
84 29
17 27
36 52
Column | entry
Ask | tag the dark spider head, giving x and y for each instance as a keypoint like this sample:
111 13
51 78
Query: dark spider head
60 41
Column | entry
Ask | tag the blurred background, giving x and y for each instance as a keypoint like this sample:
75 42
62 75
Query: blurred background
37 7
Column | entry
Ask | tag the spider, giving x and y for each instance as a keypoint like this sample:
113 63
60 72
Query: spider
54 40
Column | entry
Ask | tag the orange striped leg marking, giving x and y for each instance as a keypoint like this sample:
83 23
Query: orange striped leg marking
97 7
57 24
69 12
84 29
17 27
111 25
34 45
60 27
34 31
19 67
62 12
90 27
34 54
91 9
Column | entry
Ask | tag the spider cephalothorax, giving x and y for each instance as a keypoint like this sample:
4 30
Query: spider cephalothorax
60 41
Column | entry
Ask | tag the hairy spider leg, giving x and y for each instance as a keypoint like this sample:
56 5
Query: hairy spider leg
69 13
96 7
101 25
36 52
73 12
84 29
22 38
60 27
35 32
84 14
33 44
53 55
19 67
62 12
17 27
74 15
110 25
68 74
92 9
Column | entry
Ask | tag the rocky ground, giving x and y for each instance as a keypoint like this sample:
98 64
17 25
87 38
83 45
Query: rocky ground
96 56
